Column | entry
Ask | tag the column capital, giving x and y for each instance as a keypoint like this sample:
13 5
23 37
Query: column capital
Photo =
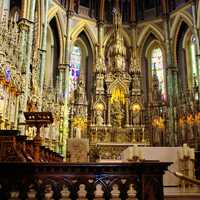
70 13
63 66
25 24
100 22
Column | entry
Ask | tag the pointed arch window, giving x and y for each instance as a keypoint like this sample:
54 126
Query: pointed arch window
75 64
193 56
158 67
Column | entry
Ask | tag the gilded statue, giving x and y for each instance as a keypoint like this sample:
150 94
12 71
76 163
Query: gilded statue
99 118
117 114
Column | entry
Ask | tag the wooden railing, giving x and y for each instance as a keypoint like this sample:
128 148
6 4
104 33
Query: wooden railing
132 180
16 148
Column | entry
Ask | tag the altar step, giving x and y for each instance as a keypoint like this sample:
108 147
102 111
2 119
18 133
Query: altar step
176 193
182 197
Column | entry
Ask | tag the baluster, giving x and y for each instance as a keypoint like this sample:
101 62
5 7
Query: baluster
131 192
48 192
31 194
115 192
98 193
65 193
82 192
14 195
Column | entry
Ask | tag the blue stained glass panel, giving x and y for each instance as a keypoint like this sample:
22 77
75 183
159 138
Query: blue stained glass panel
75 63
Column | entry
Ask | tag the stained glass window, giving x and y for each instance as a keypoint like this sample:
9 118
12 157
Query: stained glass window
157 63
193 56
7 74
75 63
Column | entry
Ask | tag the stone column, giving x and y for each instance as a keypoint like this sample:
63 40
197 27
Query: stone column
133 11
197 43
9 108
65 77
108 112
26 26
100 38
127 112
16 111
171 72
43 49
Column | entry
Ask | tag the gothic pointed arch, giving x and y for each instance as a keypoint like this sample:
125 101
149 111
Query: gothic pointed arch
83 27
150 29
85 69
150 42
180 55
56 13
52 12
179 18
125 35
54 53
118 83
156 71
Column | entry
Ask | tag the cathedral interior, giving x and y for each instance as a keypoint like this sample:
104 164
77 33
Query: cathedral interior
100 81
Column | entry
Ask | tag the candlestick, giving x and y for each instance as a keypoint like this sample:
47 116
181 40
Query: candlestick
133 136
143 140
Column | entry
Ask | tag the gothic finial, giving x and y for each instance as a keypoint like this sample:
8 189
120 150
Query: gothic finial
117 18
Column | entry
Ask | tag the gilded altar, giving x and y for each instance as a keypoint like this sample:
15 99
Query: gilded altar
114 113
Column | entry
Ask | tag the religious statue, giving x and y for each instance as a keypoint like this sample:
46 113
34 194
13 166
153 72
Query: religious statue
81 91
100 66
136 82
100 82
99 118
32 104
117 114
77 132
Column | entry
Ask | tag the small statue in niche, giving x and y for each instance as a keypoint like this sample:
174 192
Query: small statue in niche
32 104
136 117
107 136
81 91
136 82
77 132
100 64
117 114
100 79
99 118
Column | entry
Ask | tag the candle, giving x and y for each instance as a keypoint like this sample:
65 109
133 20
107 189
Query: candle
185 150
191 153
180 154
